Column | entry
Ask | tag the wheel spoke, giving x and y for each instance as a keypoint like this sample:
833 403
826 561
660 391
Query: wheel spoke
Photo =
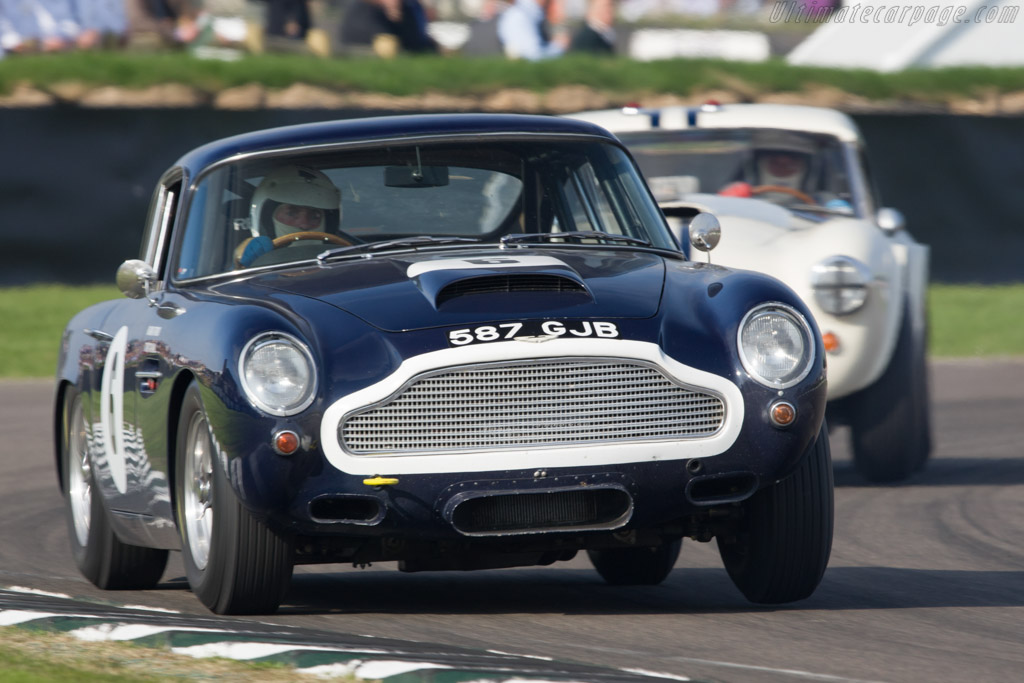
199 493
79 474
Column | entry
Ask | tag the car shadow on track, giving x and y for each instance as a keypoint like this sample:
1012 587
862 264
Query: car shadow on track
688 590
945 472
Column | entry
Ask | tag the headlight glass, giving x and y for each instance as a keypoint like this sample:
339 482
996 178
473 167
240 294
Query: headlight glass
775 345
840 284
278 374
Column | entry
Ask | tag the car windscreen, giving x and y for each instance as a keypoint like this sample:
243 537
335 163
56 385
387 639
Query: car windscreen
290 208
781 166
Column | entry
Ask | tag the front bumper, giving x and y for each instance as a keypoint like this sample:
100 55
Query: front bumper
542 490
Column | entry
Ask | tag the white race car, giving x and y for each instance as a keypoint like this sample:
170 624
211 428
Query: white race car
791 188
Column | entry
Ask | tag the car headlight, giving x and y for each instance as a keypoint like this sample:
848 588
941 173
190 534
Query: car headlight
776 346
840 284
278 374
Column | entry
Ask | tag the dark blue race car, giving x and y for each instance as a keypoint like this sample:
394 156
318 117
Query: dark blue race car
454 342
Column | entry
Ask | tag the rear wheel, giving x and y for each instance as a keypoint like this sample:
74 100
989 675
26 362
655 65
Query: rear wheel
890 421
781 548
234 563
646 566
101 557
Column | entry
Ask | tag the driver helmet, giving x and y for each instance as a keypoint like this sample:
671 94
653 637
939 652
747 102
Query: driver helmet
783 159
295 199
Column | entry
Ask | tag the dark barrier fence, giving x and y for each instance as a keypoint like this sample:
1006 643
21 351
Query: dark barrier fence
75 185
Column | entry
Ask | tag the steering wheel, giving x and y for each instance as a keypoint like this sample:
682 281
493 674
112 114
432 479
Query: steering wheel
802 196
285 240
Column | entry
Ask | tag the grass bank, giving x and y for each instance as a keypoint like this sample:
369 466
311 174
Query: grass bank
34 656
456 75
966 321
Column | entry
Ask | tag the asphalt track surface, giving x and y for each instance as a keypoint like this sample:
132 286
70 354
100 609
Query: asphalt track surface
926 580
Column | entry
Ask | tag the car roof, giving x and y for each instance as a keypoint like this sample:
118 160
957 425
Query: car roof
384 128
775 116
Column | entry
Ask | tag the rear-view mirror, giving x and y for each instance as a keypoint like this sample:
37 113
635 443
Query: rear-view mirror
416 176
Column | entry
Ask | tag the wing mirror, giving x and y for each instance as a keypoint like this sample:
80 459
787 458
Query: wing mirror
136 279
890 220
705 231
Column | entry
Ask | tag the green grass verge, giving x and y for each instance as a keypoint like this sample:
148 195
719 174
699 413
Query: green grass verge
457 75
33 320
966 321
32 656
972 321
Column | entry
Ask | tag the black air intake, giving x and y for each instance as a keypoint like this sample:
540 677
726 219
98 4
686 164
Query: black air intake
347 509
545 511
502 284
721 488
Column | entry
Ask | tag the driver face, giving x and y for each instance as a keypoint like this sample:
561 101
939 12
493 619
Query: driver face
300 217
783 165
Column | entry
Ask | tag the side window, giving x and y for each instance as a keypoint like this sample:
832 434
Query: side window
162 212
587 202
869 181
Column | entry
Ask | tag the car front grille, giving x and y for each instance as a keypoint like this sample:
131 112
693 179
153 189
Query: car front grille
532 403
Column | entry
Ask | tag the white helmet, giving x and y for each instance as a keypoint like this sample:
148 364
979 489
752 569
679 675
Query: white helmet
770 145
299 185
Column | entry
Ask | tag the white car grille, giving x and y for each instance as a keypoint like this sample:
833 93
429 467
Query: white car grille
556 402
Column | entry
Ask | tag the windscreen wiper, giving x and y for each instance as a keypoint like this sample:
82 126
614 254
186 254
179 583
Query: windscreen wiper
397 243
817 208
573 234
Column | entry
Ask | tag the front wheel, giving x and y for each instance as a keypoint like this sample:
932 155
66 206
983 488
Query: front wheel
647 566
781 547
100 555
890 421
234 563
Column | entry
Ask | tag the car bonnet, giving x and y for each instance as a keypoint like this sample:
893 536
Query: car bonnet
415 291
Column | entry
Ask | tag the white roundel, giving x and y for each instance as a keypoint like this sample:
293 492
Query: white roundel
112 409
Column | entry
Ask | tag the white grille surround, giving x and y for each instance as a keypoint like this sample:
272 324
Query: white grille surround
540 402
508 405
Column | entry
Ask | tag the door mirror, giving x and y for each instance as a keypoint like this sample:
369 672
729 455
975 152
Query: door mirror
705 231
136 279
890 220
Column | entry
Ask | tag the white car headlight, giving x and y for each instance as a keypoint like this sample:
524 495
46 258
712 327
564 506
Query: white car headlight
278 374
775 344
840 284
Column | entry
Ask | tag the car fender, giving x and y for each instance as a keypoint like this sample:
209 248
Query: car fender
867 336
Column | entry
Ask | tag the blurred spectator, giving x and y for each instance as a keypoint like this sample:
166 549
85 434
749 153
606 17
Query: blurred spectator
483 38
176 20
288 18
28 26
100 21
597 34
13 17
386 27
525 30
57 29
54 25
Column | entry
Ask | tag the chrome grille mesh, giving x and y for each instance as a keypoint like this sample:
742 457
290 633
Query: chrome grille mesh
532 403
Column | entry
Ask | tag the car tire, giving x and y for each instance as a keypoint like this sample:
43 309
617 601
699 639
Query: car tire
890 421
101 556
646 566
779 551
234 563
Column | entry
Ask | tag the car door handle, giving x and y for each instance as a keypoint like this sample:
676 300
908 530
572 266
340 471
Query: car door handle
99 335
169 310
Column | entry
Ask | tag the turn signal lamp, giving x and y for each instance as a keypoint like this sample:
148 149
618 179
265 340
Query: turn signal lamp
831 342
286 442
782 413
